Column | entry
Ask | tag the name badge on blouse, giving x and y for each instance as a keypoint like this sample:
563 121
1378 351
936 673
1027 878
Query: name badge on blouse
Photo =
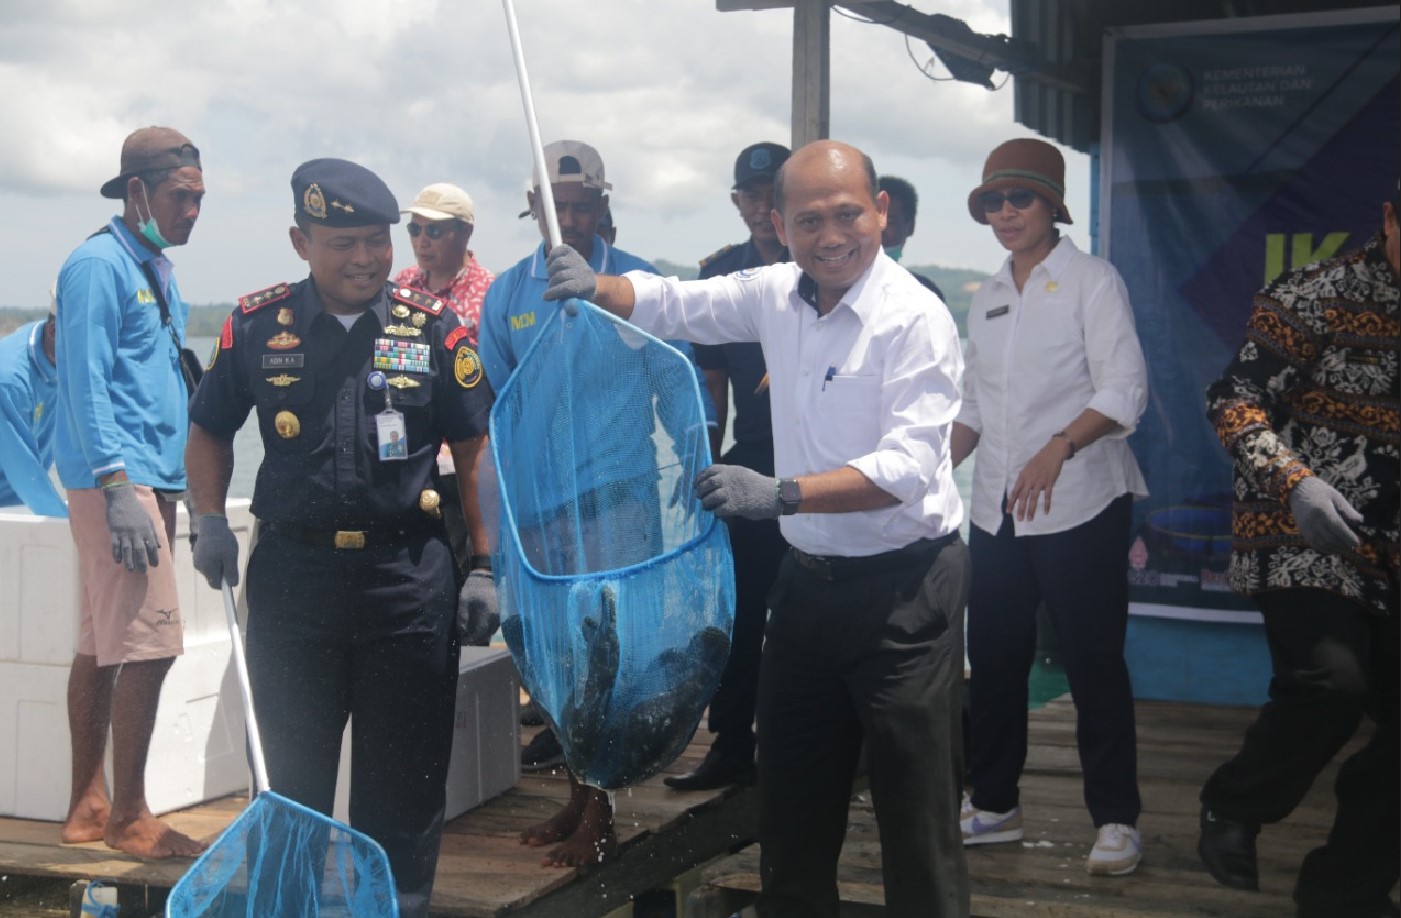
999 311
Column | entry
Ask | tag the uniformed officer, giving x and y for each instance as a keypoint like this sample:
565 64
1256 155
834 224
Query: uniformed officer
350 588
757 544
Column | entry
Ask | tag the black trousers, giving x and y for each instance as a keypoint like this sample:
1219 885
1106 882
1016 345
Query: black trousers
455 524
369 634
758 549
1080 574
1333 663
878 660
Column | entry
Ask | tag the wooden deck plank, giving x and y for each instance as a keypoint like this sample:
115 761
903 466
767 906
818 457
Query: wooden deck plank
1044 877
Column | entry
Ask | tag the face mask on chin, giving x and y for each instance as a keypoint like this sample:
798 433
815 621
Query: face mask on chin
147 226
895 251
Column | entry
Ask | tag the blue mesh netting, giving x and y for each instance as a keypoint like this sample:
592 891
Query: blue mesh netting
281 858
616 587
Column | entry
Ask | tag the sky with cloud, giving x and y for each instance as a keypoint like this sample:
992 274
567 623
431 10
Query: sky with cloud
423 91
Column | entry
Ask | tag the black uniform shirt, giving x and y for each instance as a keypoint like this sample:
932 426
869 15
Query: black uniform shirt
743 361
308 377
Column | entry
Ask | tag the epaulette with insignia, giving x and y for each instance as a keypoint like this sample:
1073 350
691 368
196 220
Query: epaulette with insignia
718 253
418 299
255 301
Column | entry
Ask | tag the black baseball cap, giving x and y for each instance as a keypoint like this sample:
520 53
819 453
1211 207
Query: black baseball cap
759 161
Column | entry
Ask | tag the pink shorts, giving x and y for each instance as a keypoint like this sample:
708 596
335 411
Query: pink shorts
125 617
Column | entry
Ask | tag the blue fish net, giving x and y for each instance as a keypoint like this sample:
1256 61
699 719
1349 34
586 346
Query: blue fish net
616 587
281 858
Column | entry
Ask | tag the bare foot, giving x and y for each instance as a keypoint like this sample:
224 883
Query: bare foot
86 822
148 837
593 841
558 827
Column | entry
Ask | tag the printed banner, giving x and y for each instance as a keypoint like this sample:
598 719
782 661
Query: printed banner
1233 151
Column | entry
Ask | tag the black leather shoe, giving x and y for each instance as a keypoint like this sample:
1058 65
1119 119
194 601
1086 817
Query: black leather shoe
715 770
1227 848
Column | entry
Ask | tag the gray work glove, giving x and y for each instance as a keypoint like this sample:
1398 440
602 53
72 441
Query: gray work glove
477 618
216 552
1324 516
570 277
733 490
135 544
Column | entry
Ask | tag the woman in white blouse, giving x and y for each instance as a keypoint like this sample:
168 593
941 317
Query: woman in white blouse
1053 383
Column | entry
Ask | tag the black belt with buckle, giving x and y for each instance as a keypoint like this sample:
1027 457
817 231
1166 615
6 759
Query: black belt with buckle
352 539
839 567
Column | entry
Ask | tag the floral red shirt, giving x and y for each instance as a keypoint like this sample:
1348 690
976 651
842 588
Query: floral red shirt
464 294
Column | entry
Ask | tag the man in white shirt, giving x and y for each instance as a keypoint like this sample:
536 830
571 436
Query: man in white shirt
864 641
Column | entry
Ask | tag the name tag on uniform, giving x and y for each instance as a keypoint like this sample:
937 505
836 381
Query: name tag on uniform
999 311
284 361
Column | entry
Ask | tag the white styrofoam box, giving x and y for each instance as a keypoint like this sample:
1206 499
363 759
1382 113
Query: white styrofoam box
34 755
485 759
197 749
39 592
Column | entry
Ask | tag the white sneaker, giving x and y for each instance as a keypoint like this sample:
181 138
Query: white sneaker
1117 851
981 827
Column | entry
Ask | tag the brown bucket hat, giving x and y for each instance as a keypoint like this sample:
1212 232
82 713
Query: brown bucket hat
1023 163
147 149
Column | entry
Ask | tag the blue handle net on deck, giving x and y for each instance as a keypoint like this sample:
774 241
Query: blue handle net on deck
616 587
282 858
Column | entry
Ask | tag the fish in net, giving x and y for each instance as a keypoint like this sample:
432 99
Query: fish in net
616 587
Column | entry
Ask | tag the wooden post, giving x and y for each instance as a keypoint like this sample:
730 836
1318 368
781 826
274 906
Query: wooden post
812 33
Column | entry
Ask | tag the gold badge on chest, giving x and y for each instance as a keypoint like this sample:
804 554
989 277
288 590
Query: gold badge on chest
283 341
285 317
287 425
400 311
282 380
403 331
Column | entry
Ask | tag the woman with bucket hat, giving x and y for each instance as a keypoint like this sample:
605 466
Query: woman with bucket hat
1054 382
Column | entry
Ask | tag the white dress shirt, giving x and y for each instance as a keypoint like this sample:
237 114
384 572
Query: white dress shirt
872 385
1036 360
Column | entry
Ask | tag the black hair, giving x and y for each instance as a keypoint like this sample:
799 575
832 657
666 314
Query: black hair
872 185
901 190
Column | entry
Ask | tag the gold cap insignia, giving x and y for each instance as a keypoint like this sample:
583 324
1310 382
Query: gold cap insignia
282 380
314 202
403 382
287 425
343 206
285 316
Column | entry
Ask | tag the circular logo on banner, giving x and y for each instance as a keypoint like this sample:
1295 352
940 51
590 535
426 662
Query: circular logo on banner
1164 93
466 367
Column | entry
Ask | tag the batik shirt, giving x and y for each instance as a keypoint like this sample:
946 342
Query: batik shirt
1313 391
464 293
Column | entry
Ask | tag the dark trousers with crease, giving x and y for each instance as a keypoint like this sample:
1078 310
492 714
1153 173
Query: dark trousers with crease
1080 574
1334 662
758 548
371 635
875 659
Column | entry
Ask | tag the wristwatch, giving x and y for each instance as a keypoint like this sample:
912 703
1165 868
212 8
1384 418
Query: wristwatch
789 495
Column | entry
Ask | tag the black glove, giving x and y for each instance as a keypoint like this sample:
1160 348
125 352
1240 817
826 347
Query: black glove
216 552
477 618
733 490
570 277
134 541
1324 516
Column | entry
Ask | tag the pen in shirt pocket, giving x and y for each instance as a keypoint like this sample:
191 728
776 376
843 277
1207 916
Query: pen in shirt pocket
831 371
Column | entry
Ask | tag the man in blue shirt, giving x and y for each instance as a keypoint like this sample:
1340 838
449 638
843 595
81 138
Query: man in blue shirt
512 315
28 399
120 454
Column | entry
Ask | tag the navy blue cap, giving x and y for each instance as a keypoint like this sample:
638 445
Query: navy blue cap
337 192
759 161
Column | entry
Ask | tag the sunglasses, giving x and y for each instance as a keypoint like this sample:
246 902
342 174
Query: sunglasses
432 230
992 201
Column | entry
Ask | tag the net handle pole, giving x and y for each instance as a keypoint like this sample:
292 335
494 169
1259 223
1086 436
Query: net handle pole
250 720
546 193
